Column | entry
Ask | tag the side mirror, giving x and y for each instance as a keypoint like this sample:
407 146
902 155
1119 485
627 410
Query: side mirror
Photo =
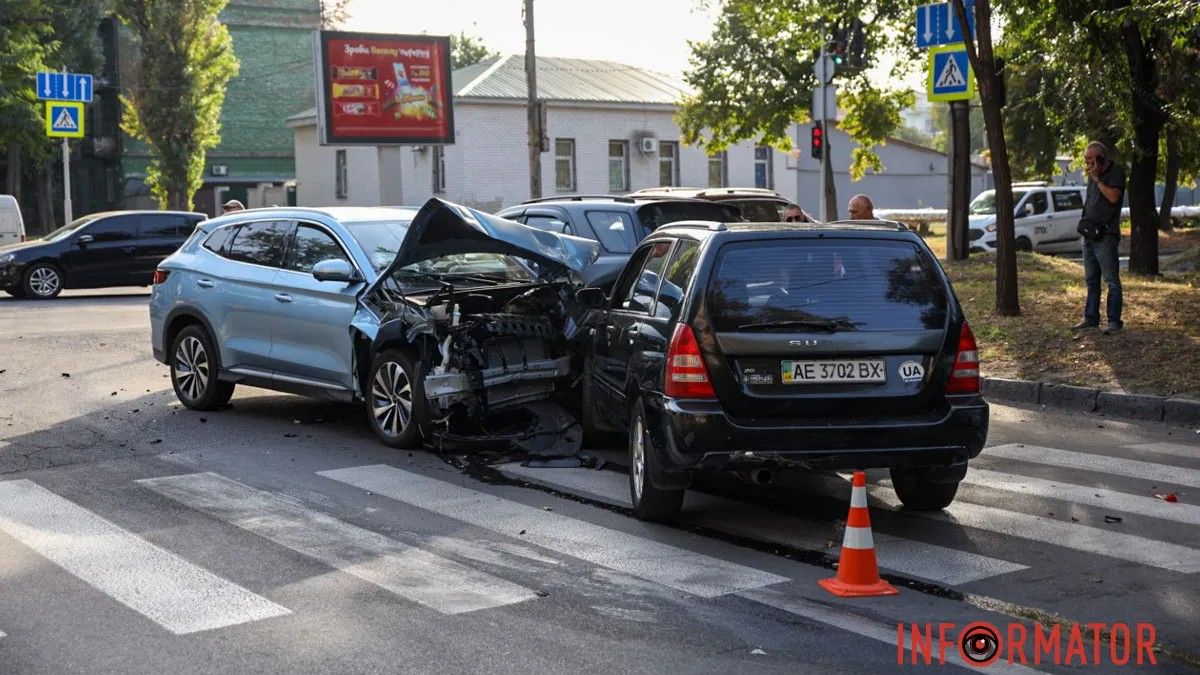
335 269
591 298
84 240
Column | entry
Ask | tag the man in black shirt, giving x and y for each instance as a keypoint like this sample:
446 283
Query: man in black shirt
1102 208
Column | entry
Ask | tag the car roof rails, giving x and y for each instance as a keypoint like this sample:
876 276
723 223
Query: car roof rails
738 190
1031 183
710 225
579 198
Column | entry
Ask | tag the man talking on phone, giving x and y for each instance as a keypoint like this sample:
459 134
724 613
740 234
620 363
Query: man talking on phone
1101 232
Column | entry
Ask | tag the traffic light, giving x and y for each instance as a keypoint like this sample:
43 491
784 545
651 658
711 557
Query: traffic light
818 141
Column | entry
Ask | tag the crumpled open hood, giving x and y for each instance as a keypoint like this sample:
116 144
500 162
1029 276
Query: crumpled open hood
443 228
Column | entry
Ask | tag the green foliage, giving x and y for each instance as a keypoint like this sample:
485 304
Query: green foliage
466 50
878 115
174 105
25 43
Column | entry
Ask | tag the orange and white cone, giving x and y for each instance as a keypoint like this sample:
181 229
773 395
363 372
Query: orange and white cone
858 573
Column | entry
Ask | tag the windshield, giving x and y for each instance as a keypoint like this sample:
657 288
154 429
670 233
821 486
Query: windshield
658 214
70 228
985 203
381 240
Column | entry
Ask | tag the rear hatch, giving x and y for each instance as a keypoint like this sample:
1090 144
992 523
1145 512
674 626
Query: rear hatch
827 327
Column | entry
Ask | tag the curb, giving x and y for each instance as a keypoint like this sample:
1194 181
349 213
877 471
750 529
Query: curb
1181 411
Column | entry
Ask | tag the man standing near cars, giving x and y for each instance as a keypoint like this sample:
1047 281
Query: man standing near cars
861 208
1101 231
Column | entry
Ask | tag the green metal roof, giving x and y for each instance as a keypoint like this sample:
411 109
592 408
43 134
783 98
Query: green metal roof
560 79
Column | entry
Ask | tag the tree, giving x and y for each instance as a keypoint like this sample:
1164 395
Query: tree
24 46
186 59
983 61
754 79
466 50
1114 62
334 13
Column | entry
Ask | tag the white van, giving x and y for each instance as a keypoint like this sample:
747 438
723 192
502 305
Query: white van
12 226
1044 220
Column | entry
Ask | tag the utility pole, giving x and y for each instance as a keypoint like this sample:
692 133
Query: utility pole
66 162
824 135
532 113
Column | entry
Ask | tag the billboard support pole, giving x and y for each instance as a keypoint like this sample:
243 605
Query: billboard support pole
534 118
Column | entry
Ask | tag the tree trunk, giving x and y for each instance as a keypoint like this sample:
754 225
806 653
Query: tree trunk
13 186
1148 121
45 185
983 62
831 207
1171 179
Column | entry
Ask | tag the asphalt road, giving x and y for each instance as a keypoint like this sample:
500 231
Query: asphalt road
279 537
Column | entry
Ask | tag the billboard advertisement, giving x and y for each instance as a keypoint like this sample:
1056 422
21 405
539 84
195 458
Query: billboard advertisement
378 89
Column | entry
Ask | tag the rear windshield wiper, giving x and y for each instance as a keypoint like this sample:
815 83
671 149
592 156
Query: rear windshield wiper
831 325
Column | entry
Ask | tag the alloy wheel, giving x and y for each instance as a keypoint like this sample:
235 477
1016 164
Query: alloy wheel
391 398
191 367
44 281
638 463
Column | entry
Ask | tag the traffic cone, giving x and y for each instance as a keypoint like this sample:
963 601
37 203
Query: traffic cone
858 573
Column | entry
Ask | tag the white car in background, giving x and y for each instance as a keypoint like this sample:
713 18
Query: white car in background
1045 218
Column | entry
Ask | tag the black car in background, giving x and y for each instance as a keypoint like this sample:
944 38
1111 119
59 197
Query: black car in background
113 248
759 347
617 223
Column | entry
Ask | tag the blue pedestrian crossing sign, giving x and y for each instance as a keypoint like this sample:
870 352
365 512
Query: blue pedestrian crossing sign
950 76
64 119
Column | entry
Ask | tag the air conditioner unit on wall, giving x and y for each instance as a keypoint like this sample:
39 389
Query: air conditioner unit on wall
648 145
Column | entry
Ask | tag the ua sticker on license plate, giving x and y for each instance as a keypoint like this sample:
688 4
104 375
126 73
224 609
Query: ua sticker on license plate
821 372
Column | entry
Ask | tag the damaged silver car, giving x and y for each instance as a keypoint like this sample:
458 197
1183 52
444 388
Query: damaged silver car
451 325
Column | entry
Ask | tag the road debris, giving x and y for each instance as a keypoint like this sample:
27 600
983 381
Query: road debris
1112 519
1169 497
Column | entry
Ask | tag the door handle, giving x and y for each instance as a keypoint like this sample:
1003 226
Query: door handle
204 283
283 297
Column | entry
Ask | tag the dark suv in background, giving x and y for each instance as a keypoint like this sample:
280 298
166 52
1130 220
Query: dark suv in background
113 248
617 223
756 204
756 347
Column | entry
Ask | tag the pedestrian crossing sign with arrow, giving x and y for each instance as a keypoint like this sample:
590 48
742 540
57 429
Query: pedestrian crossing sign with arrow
950 76
64 119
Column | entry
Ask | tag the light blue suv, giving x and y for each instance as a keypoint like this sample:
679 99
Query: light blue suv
440 319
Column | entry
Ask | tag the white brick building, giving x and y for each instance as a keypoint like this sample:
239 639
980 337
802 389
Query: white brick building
598 117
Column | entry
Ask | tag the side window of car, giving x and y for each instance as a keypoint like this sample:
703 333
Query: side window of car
218 241
614 230
759 211
164 225
1040 203
117 228
259 243
549 223
1067 200
624 286
310 246
675 279
640 296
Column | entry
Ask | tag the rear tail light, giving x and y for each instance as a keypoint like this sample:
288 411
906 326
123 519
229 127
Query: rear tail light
964 376
686 376
160 276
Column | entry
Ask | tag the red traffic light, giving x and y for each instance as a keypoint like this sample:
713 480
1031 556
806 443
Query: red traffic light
818 141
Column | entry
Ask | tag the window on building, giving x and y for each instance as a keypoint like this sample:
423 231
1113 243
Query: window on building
439 169
764 173
341 175
564 164
618 166
668 163
718 169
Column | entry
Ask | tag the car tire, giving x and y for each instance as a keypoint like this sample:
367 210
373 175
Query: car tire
649 502
395 398
918 493
42 281
1024 244
195 363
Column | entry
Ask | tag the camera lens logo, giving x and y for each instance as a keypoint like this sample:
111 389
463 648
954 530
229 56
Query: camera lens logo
979 643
